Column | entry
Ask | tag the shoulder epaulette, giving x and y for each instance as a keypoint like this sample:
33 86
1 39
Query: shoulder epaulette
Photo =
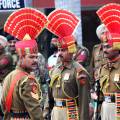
79 67
31 77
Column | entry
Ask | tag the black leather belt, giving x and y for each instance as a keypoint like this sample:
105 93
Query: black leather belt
22 114
64 103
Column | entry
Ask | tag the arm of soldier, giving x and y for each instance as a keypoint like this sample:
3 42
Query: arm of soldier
30 94
83 93
46 110
49 104
82 75
91 69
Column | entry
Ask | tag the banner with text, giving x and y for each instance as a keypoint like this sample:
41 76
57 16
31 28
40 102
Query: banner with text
11 4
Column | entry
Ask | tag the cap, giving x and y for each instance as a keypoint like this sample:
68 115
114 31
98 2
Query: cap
101 29
54 41
9 37
3 41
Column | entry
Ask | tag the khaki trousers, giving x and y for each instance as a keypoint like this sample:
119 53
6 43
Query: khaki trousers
108 111
59 113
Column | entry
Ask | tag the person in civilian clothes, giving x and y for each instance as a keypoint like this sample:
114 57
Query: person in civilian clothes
53 59
11 49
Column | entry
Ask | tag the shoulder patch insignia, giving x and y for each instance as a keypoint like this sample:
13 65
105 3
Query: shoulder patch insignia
116 78
34 91
35 96
66 76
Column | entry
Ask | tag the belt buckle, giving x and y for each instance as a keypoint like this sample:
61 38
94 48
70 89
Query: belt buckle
108 99
59 103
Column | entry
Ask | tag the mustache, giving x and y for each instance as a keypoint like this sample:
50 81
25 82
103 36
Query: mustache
106 52
35 63
60 56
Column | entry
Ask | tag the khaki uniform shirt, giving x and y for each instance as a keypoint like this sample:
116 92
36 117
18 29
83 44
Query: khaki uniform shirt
25 96
97 62
110 78
65 85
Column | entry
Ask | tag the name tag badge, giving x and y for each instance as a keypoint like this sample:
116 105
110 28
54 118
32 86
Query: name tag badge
66 76
116 78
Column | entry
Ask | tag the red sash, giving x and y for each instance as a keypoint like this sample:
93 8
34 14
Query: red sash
8 101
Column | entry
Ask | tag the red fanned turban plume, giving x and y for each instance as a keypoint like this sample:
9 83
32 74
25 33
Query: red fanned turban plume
25 24
110 16
63 23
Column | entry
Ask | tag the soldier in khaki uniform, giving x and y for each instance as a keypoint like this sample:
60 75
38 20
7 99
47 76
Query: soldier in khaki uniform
98 58
97 61
21 92
109 76
69 80
110 72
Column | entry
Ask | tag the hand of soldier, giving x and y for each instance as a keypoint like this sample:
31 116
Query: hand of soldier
82 77
94 96
45 113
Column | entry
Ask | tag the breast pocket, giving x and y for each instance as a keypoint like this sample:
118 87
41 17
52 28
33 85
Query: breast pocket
116 78
69 85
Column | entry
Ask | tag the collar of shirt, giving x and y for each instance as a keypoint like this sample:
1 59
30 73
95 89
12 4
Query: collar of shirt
68 66
112 65
21 69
